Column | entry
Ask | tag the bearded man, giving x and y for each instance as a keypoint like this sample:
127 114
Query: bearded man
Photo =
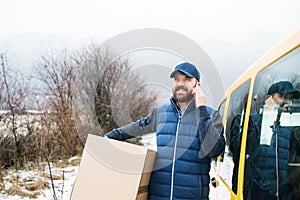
189 134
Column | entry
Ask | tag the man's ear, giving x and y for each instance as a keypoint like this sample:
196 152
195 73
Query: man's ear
197 83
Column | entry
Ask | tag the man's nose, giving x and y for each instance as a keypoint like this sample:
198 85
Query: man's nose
180 83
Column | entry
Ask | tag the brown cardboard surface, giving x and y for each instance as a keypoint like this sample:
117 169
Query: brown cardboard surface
111 169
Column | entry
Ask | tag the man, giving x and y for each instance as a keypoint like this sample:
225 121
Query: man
189 134
267 159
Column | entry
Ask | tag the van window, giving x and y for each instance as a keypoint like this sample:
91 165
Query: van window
237 105
287 68
273 140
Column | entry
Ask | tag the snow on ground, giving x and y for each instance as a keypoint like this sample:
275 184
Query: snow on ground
63 187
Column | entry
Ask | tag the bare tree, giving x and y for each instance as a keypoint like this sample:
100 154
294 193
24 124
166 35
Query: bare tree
56 72
14 90
86 95
295 80
108 93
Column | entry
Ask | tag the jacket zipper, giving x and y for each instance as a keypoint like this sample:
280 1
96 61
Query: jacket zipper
174 155
277 167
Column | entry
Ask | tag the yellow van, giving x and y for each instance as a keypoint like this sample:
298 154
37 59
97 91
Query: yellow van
239 173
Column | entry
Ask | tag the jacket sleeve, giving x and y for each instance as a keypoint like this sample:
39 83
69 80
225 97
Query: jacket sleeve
134 129
253 135
235 137
295 145
211 133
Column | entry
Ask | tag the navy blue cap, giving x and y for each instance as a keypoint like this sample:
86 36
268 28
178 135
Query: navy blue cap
284 87
188 69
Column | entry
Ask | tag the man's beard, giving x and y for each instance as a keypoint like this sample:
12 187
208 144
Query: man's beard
183 99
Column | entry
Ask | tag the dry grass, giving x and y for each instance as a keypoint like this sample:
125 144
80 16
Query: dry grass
35 185
61 164
17 190
74 161
2 186
14 179
54 176
36 180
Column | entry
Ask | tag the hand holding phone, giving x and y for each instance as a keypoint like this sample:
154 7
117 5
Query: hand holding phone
200 98
270 104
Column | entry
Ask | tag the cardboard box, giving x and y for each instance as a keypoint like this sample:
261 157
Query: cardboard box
112 169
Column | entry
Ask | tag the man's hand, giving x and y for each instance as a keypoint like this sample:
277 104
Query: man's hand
271 105
200 98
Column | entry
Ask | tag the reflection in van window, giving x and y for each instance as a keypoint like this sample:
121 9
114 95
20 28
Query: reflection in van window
268 147
273 140
285 69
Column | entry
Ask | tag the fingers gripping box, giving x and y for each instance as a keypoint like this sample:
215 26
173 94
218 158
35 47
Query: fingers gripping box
112 169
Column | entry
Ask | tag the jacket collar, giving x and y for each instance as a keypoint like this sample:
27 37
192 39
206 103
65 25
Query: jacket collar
175 104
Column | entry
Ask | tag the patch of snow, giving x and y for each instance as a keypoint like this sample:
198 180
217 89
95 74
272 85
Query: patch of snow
63 187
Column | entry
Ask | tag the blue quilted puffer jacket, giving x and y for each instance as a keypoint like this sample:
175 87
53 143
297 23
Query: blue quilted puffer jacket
186 143
266 165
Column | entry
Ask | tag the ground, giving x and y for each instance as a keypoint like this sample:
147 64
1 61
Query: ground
36 183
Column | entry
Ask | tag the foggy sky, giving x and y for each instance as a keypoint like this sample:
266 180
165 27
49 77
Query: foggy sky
233 33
